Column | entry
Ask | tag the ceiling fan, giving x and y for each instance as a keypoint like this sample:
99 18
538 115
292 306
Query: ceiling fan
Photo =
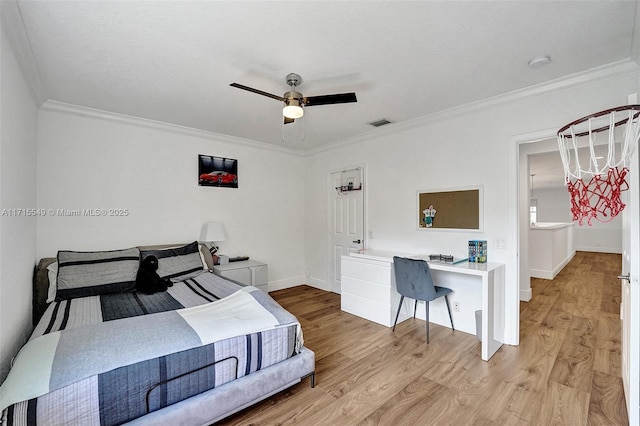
294 100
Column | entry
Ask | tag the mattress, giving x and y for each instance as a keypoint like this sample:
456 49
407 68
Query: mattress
109 359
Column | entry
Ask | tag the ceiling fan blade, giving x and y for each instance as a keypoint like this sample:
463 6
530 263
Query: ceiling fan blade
259 92
339 98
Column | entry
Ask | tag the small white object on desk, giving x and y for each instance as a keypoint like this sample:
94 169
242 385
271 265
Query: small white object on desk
248 272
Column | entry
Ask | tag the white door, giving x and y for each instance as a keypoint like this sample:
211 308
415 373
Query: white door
347 219
630 309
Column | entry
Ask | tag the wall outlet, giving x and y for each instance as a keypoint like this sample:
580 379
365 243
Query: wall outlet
456 306
500 243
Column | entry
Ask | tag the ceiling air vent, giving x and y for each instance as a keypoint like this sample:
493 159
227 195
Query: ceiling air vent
381 122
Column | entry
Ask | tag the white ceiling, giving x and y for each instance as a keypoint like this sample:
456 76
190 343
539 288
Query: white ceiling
546 170
173 61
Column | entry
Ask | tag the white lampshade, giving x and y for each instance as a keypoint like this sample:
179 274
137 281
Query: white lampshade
212 231
293 109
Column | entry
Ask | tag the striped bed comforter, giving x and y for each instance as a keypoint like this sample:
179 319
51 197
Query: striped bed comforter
108 359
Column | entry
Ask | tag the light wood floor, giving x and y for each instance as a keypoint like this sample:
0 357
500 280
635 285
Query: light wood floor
566 370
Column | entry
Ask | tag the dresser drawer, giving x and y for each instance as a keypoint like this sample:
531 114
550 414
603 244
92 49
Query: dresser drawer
378 273
367 309
366 290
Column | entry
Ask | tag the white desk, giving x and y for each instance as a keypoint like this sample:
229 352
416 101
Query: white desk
368 290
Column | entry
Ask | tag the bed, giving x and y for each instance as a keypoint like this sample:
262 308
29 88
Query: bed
102 353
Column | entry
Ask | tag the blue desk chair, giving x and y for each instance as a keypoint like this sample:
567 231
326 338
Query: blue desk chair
413 280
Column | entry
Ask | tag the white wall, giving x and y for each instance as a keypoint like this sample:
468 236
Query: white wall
18 114
470 146
94 160
554 205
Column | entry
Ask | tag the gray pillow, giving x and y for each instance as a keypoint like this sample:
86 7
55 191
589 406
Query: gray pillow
82 274
177 263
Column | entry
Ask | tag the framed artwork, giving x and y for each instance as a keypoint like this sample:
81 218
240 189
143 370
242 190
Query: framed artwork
217 171
450 209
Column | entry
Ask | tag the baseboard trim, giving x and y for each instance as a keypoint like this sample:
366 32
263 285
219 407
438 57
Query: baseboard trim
563 264
288 283
549 275
319 284
614 250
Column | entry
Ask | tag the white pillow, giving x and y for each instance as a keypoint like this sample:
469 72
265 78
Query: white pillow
52 272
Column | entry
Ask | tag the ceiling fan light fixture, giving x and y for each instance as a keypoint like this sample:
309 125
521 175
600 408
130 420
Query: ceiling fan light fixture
294 101
293 109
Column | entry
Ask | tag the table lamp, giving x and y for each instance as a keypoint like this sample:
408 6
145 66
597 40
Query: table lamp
210 233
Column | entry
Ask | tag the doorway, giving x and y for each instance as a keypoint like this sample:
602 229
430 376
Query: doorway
540 163
630 235
525 149
346 219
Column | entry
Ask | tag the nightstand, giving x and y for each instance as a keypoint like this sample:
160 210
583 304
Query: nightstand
249 272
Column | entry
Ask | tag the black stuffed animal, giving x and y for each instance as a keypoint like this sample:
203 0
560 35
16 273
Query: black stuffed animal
148 281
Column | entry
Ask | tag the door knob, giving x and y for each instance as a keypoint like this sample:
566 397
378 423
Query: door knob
357 241
624 277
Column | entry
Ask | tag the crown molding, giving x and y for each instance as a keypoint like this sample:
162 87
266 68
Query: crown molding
594 75
56 106
608 72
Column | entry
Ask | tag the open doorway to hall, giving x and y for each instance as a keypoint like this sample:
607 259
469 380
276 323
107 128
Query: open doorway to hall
574 311
549 237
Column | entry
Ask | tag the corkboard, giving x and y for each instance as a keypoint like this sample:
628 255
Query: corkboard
455 209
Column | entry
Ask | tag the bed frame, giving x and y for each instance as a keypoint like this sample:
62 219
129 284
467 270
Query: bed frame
215 404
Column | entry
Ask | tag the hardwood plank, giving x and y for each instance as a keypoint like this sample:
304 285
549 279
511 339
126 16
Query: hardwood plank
585 329
526 325
297 401
574 364
538 310
407 406
608 332
564 406
611 299
607 405
342 380
370 390
608 361
557 319
449 411
511 404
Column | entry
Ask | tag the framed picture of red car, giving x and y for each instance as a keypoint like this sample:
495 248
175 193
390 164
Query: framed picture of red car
217 171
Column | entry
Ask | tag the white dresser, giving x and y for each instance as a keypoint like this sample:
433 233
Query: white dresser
369 291
249 272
